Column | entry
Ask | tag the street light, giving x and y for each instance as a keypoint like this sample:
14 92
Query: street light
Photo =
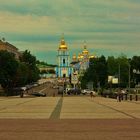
129 80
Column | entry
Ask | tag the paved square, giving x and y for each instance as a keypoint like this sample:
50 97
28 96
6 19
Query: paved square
68 118
78 107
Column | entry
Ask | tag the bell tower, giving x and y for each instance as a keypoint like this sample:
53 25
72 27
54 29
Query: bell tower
63 69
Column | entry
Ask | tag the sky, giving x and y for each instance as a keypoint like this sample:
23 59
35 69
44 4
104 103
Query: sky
109 27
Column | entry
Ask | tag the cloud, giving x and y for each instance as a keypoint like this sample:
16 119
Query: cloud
108 26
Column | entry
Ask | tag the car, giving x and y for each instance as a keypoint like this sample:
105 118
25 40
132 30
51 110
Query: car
87 91
38 94
74 91
55 87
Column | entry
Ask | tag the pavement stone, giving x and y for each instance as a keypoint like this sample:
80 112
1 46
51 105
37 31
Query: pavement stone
68 118
75 107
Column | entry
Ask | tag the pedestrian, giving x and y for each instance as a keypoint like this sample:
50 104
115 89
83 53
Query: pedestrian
120 96
91 94
54 94
117 97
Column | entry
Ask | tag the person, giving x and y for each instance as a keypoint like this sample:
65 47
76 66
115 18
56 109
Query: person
119 96
53 94
92 94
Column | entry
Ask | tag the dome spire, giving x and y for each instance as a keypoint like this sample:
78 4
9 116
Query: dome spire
62 43
85 45
62 36
62 40
85 51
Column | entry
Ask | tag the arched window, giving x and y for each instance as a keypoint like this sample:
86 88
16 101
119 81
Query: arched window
63 61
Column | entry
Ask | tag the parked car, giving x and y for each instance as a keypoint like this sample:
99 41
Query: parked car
88 91
38 94
55 87
74 91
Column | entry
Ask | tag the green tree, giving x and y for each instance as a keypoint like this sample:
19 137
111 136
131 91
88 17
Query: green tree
8 69
99 69
119 67
96 73
21 76
123 63
30 61
112 66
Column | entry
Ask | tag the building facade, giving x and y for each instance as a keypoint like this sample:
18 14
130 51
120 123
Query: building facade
10 48
63 70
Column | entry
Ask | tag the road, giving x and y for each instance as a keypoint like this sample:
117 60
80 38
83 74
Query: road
46 88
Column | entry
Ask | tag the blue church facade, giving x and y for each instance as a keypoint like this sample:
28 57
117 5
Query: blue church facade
63 69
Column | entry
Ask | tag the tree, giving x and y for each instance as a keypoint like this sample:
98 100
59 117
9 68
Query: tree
8 69
84 80
102 71
30 61
119 67
112 66
15 73
96 73
123 63
21 76
99 69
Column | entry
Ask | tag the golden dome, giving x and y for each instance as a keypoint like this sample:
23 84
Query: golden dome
74 58
92 56
85 51
80 56
63 45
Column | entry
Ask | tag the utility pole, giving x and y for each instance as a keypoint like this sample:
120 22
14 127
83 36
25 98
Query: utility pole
129 77
119 77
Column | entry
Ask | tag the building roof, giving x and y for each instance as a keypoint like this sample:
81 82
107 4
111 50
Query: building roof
8 44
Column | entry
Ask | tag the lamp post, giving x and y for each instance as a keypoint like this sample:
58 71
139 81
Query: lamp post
64 86
136 72
119 80
129 85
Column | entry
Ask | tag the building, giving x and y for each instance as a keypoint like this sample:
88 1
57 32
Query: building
46 71
10 48
80 63
63 69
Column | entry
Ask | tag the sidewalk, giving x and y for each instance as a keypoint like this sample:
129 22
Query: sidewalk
98 108
68 108
68 118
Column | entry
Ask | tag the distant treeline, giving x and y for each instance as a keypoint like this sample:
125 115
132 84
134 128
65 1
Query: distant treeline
127 70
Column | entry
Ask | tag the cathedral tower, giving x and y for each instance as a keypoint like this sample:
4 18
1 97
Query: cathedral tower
63 69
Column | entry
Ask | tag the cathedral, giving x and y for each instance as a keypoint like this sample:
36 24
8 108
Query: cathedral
79 63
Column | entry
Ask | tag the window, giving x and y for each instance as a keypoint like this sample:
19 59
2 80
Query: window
63 61
64 75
